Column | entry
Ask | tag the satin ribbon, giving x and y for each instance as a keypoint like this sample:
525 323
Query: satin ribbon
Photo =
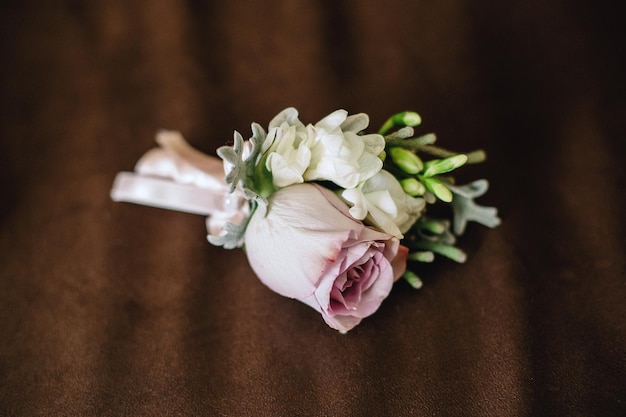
178 177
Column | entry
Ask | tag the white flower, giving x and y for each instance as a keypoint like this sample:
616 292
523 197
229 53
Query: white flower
330 150
384 203
288 154
339 154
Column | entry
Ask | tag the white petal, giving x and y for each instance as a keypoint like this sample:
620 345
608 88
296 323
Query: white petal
332 121
382 199
374 144
369 166
289 115
383 221
355 123
269 139
355 197
283 172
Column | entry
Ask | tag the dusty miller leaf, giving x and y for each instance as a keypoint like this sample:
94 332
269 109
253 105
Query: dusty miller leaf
233 238
465 209
242 173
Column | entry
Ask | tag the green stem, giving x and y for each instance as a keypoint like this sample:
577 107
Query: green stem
473 157
263 181
413 143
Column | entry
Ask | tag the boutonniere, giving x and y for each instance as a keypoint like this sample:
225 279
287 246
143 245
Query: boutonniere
327 213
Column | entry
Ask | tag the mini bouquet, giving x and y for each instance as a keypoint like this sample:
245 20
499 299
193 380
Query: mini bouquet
326 213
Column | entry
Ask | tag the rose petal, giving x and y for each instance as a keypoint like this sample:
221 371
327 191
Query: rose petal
299 238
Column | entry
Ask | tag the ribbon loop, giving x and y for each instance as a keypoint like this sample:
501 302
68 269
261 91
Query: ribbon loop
176 176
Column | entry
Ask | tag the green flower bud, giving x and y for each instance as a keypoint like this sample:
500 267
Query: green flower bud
441 166
406 160
449 251
422 256
413 280
413 187
438 189
406 118
409 118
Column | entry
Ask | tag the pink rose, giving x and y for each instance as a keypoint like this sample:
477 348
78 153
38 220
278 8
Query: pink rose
308 247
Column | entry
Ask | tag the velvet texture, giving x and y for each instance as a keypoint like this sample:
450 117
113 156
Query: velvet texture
115 309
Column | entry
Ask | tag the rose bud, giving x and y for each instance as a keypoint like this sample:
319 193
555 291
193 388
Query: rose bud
308 247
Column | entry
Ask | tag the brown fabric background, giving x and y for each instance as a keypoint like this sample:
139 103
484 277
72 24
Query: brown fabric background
113 309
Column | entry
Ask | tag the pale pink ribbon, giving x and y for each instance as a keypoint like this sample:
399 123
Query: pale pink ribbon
176 176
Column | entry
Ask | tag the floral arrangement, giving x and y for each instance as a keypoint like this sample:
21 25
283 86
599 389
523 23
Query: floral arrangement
327 214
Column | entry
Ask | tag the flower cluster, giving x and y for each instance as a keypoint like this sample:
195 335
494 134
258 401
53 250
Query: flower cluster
335 213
